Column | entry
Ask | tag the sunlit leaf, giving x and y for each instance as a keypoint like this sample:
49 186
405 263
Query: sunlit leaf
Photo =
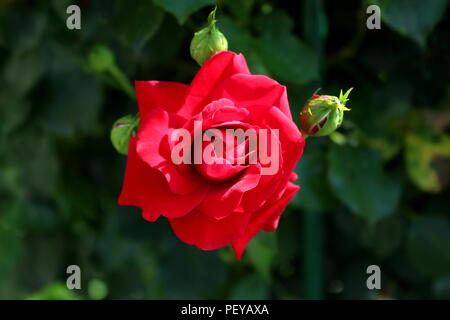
421 156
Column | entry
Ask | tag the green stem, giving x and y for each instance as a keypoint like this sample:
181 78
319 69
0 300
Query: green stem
313 282
123 81
315 28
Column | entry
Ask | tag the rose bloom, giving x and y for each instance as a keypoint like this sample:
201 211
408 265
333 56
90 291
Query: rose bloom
209 205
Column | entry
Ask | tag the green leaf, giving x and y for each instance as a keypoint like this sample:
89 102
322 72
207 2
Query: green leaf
288 59
412 18
182 9
262 250
239 39
358 180
137 21
285 56
121 132
428 246
422 157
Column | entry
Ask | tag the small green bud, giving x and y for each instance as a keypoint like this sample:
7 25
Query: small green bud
322 114
101 58
121 132
208 41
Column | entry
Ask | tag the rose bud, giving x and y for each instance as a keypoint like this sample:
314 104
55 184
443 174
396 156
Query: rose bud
322 114
208 41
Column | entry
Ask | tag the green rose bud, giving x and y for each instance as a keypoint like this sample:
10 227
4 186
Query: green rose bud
121 132
323 114
101 59
208 41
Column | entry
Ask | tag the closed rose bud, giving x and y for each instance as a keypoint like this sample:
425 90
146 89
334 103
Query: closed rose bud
208 41
101 59
322 114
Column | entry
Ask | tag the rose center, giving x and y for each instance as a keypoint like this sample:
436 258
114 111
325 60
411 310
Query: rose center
223 156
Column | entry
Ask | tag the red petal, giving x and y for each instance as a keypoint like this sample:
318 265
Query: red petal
153 148
248 90
266 218
208 233
146 188
292 141
220 111
219 67
229 195
169 96
292 145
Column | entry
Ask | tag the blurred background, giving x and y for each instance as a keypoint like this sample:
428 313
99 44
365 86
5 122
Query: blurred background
375 193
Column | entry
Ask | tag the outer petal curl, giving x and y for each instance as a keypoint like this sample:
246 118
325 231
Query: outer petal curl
169 96
265 218
146 188
218 68
153 148
208 233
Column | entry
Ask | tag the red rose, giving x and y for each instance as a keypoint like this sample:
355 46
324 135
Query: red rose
212 205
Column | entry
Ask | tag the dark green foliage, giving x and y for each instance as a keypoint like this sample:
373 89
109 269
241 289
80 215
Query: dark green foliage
375 192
